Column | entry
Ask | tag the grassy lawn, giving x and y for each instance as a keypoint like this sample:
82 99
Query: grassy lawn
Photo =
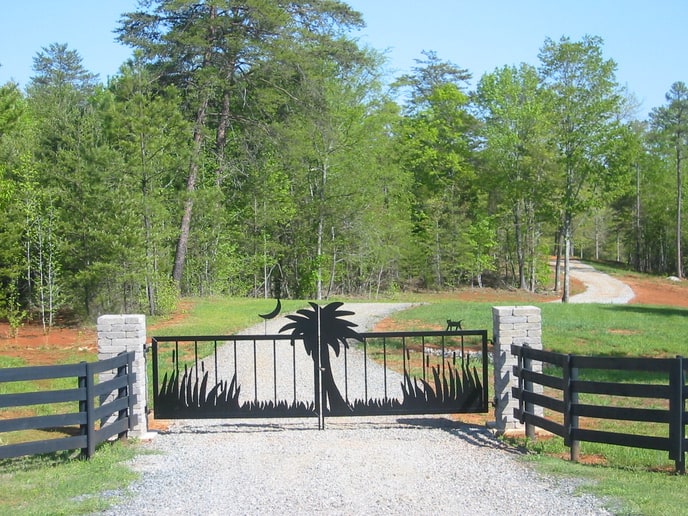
59 484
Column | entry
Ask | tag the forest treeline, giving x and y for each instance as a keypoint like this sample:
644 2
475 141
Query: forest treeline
255 148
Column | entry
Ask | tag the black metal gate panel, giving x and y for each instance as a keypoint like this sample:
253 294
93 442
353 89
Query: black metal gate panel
318 372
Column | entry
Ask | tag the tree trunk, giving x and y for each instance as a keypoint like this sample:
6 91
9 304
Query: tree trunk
567 262
679 209
520 252
557 263
185 227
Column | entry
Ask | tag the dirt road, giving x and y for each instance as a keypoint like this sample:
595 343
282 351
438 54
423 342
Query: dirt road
600 287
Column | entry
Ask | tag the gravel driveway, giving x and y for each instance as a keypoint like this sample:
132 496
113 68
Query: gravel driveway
599 287
390 465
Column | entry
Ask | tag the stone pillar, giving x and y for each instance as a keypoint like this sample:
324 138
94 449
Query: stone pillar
118 333
520 325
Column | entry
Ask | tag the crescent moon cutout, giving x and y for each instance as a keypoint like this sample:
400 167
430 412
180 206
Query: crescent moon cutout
274 313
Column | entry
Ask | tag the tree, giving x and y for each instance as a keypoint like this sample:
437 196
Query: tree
145 125
586 112
518 158
320 329
670 123
57 67
211 51
435 145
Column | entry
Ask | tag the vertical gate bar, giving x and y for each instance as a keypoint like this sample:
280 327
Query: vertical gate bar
462 353
384 358
442 345
274 366
235 362
365 370
485 385
196 359
175 358
403 354
215 355
425 361
255 372
293 365
346 374
154 343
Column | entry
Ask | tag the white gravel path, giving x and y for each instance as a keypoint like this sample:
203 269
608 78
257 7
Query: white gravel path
390 465
599 287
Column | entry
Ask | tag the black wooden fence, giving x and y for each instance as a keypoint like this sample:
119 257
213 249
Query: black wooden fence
657 382
94 411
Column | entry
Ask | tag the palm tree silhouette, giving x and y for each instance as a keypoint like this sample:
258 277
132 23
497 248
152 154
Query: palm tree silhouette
333 331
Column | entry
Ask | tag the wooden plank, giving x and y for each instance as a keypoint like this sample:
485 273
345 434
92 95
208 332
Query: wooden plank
46 446
109 363
108 386
661 365
111 407
110 430
621 413
541 422
539 355
39 422
538 399
19 374
38 398
633 390
630 440
554 382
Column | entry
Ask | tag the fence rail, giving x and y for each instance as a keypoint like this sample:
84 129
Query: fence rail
95 410
576 375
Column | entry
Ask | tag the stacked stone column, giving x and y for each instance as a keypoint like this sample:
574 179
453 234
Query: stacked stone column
520 325
118 333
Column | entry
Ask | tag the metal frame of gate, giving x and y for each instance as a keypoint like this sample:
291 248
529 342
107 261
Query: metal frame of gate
237 376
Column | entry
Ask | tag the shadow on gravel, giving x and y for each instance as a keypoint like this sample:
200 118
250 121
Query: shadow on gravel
476 435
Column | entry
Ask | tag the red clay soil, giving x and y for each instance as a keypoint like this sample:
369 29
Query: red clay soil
61 345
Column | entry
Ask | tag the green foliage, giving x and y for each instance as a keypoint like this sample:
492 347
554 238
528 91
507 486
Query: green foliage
11 310
239 147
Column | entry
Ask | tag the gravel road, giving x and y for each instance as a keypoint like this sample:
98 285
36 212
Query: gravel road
390 465
599 287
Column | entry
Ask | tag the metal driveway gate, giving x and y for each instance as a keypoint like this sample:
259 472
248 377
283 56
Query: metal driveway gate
322 363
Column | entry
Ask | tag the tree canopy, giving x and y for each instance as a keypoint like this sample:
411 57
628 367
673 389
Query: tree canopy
255 143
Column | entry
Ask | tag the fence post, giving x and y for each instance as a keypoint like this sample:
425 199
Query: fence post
519 325
528 387
124 333
570 398
87 405
677 429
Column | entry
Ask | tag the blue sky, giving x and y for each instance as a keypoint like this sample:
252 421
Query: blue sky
647 38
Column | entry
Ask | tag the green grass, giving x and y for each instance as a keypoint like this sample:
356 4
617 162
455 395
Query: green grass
627 491
58 484
221 316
